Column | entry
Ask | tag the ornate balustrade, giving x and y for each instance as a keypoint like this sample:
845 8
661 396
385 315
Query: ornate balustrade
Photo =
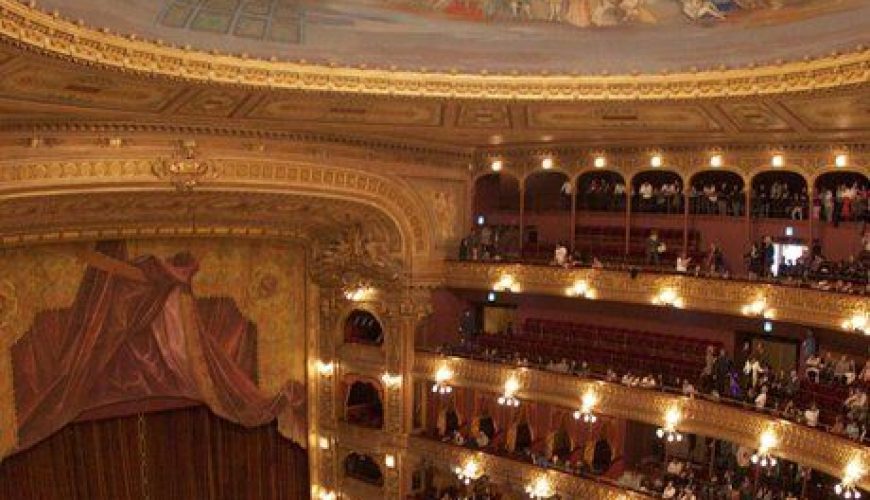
505 471
791 304
814 448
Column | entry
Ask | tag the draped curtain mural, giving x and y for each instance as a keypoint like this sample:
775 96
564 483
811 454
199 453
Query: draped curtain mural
215 321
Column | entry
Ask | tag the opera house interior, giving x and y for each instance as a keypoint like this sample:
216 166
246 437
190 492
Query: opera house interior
434 249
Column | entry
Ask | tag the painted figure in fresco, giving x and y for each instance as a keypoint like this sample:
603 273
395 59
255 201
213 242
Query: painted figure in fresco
699 9
136 331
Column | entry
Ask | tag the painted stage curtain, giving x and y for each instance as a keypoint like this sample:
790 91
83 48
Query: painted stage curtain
188 454
136 331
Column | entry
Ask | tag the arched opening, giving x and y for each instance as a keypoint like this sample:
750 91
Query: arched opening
363 468
495 230
779 195
657 191
717 192
363 405
520 435
561 445
361 327
547 214
601 191
840 197
449 421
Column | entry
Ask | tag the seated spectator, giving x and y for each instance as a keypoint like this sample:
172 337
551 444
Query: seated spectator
683 263
560 255
812 415
814 367
761 399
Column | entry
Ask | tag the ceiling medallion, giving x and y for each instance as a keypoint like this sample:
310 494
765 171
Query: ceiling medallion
184 170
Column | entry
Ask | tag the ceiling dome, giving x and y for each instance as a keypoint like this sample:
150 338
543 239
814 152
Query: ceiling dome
556 36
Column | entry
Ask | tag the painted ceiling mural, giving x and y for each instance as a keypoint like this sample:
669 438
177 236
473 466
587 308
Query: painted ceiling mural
497 35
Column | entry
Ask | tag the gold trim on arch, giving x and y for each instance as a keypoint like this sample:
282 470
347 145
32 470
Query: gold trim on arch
26 25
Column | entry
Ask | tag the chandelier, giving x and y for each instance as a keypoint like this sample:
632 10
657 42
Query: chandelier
846 488
510 389
540 489
763 456
669 431
587 404
469 472
442 377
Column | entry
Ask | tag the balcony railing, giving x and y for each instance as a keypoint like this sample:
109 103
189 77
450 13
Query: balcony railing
792 304
798 443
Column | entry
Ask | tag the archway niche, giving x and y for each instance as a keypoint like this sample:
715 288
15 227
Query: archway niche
657 191
841 197
717 192
363 468
546 214
361 327
779 195
601 191
363 405
495 227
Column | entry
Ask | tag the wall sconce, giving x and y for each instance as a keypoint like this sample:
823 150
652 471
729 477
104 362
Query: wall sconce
547 163
506 283
668 297
669 430
846 488
655 161
587 406
359 294
469 472
323 443
540 489
763 456
511 386
857 323
581 289
390 461
777 161
841 160
759 308
442 377
391 380
325 368
599 162
496 165
716 161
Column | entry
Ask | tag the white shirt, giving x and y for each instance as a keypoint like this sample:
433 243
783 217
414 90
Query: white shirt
812 417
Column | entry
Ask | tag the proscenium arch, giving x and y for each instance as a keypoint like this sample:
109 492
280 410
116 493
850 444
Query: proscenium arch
393 196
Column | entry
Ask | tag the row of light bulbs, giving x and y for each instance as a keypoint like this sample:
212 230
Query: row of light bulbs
841 160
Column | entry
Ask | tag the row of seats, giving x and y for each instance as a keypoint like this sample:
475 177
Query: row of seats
603 348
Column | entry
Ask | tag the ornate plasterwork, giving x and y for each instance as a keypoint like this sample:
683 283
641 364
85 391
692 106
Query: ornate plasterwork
510 473
792 304
807 446
28 26
25 179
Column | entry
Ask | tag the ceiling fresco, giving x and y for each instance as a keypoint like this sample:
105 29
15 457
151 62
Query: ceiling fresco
587 36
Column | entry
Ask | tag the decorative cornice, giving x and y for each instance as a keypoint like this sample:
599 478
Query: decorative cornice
504 471
792 304
36 30
817 449
22 180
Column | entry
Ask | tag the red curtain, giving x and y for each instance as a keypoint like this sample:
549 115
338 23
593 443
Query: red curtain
136 331
182 454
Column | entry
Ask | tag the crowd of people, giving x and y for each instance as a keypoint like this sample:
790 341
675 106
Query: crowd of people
780 201
842 203
667 198
747 379
710 198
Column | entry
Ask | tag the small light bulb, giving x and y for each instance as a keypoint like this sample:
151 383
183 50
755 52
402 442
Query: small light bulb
655 161
496 165
547 163
600 162
841 160
777 161
716 161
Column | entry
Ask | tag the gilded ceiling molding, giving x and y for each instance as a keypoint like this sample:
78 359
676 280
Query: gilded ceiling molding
792 304
392 196
43 32
817 449
507 472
